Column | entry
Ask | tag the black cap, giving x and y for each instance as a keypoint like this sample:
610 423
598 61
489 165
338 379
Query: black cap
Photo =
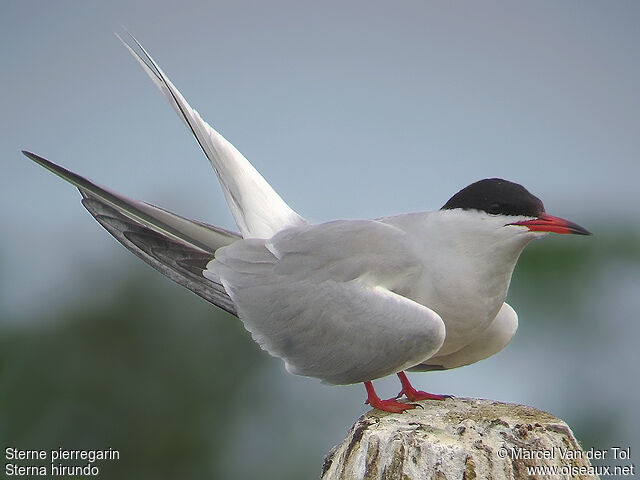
497 197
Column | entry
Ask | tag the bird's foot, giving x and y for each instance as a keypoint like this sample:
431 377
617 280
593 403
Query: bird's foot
391 405
416 395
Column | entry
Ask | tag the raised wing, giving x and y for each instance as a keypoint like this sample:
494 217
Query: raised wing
195 234
175 246
314 297
257 209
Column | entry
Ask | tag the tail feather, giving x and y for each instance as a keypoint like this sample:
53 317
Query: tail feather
256 207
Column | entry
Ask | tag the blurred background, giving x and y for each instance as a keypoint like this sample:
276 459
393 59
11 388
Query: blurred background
349 110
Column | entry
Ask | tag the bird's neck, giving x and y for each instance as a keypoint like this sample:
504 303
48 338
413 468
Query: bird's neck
462 260
466 270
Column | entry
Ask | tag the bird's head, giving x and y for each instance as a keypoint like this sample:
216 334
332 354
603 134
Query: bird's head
510 205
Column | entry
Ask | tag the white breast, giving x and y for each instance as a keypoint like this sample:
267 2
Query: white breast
467 267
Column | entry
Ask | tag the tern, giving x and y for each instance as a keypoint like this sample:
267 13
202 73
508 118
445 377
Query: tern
345 301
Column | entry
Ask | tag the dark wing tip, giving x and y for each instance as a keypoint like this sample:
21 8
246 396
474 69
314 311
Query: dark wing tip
42 161
30 155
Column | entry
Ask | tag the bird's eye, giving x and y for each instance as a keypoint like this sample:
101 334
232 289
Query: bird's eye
494 209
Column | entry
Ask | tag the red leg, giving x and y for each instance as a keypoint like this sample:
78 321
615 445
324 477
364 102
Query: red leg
390 405
414 395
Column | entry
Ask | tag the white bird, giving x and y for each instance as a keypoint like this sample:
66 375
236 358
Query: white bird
345 301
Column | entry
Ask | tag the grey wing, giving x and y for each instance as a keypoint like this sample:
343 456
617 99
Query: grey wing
175 246
193 233
341 329
488 343
177 261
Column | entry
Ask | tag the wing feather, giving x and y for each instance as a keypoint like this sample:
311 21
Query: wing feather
256 207
177 261
196 234
343 328
177 247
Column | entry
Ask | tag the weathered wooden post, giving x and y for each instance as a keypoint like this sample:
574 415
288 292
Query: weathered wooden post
459 438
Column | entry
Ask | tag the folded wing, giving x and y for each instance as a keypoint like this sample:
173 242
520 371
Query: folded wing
325 305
